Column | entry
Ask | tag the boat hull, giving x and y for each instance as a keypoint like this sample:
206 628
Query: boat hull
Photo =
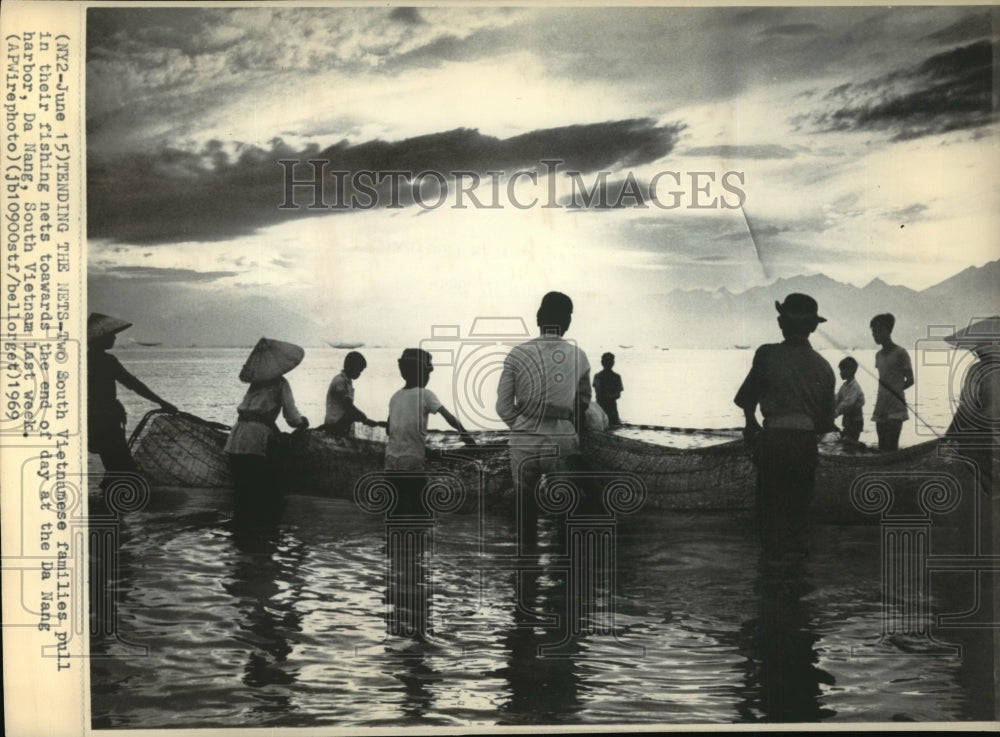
922 482
182 451
917 482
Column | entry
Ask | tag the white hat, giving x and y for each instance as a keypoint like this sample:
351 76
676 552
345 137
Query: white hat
269 359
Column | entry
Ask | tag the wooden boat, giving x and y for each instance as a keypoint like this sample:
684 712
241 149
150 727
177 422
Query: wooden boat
344 346
181 450
704 470
853 485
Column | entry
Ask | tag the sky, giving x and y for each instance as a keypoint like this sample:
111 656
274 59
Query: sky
736 146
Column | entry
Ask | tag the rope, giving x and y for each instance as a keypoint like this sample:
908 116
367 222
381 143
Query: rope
186 415
874 375
681 430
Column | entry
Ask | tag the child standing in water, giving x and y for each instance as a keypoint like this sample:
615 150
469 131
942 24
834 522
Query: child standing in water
895 375
850 399
608 388
407 429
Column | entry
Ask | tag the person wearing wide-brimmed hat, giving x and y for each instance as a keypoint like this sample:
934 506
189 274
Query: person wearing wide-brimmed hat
794 387
252 438
975 428
105 414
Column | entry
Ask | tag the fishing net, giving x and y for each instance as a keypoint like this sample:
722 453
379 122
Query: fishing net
178 449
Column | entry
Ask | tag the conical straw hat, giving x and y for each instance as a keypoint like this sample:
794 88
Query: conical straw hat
982 332
269 359
99 325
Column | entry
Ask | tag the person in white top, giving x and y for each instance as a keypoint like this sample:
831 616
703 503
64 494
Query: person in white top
543 394
405 450
408 411
251 443
850 401
341 412
895 376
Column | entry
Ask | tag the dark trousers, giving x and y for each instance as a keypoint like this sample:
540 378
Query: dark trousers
786 479
106 431
852 429
114 453
409 486
888 434
258 495
610 407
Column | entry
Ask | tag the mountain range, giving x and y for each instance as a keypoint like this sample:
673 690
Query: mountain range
721 319
696 318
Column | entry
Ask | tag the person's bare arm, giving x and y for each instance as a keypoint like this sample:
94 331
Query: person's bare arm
453 421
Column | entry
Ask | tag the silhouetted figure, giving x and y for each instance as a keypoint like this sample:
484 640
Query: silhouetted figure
252 443
794 387
849 401
341 411
409 409
410 522
895 375
608 389
105 414
543 393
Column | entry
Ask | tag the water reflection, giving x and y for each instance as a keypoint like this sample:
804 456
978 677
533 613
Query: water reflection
237 639
418 679
563 594
265 581
781 676
409 509
543 681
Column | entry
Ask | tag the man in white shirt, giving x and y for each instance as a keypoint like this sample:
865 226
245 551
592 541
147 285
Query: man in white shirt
543 394
341 412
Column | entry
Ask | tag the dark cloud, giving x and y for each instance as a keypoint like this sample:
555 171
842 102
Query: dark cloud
972 27
763 151
713 259
408 15
913 212
176 195
769 230
113 31
947 92
682 240
165 275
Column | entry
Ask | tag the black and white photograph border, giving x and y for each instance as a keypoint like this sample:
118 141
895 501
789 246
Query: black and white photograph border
440 367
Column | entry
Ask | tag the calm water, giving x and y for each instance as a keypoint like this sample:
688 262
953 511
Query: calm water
285 623
686 388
